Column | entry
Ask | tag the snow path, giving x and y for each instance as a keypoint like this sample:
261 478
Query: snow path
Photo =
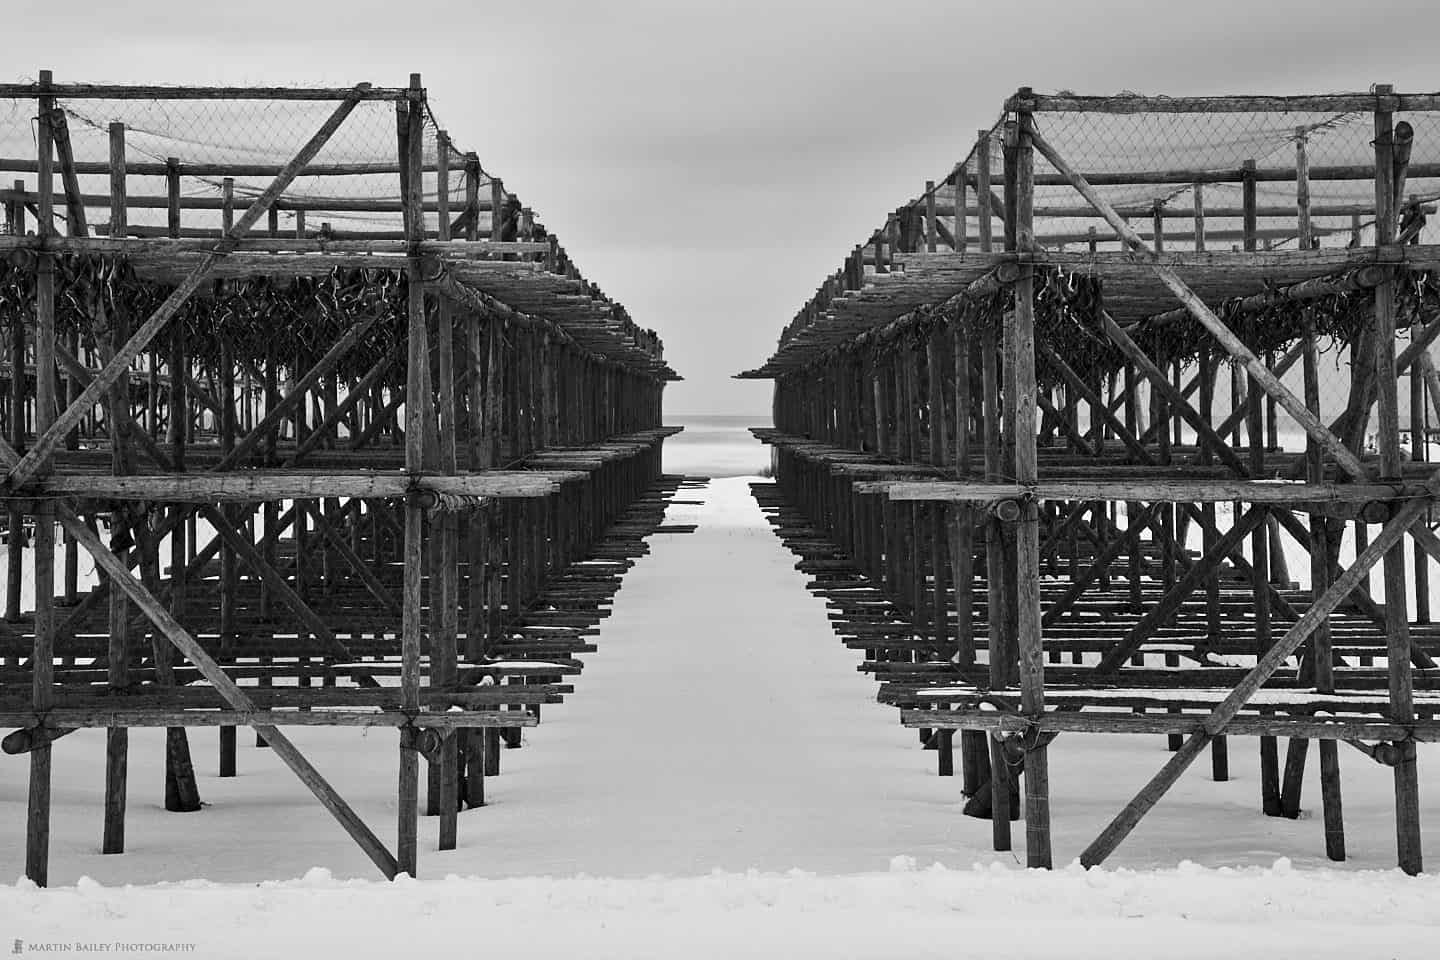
721 724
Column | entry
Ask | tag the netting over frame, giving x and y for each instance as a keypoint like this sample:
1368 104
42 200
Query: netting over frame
214 133
1159 149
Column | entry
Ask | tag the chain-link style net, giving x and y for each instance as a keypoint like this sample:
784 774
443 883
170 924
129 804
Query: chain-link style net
1157 163
258 136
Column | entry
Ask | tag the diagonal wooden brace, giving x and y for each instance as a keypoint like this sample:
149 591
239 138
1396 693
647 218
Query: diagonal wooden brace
227 688
252 558
1118 545
1162 611
1073 381
1214 724
298 393
326 528
332 419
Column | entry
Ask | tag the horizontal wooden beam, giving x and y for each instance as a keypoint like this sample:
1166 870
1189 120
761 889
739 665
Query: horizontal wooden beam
144 248
1307 103
1169 491
62 719
101 91
1181 723
332 204
254 486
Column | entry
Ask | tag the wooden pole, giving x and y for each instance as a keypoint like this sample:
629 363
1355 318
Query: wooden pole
416 403
117 739
37 834
15 541
1321 652
1027 573
443 654
182 793
1397 625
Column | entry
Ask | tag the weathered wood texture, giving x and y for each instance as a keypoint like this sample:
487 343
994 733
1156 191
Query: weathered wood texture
1105 501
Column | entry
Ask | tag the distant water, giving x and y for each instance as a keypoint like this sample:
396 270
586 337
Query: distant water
721 445
716 445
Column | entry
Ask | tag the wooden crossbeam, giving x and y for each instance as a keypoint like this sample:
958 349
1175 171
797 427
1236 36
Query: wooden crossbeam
142 437
378 422
1139 488
353 396
252 558
1071 434
1073 380
1115 657
1281 367
298 393
1097 569
1162 385
119 363
1214 724
1237 556
372 583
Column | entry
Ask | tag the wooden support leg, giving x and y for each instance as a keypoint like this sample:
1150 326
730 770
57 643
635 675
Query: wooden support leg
1004 802
472 750
37 832
973 760
1398 652
1330 796
227 751
1294 777
407 806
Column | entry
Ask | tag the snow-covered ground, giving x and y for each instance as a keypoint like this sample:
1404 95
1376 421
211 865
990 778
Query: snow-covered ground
721 781
932 912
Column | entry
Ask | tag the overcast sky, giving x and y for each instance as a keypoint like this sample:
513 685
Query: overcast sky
708 164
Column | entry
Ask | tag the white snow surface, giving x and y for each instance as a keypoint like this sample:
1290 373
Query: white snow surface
721 781
1183 912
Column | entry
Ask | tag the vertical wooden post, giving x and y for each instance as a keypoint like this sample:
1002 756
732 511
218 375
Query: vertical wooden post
1397 625
473 741
229 583
1321 652
37 834
182 792
1294 774
1027 574
1259 540
1003 799
117 739
443 651
15 541
1209 372
962 212
1259 578
930 231
412 152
